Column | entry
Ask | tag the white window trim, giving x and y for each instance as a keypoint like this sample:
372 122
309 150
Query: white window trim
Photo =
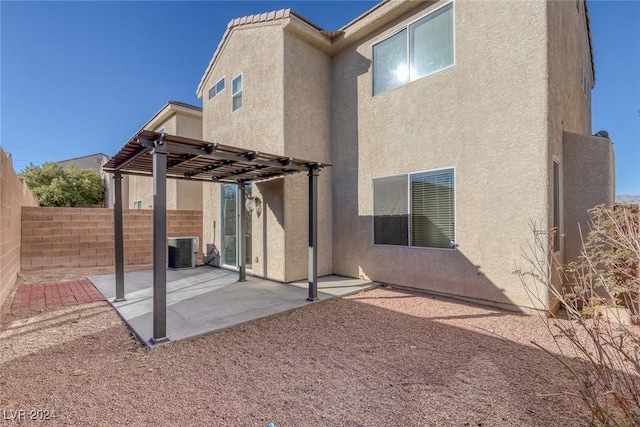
137 201
241 91
215 86
408 174
406 27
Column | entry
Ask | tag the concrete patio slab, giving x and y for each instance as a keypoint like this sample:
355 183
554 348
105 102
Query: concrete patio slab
208 299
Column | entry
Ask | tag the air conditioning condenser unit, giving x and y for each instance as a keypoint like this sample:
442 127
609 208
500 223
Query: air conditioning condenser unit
183 252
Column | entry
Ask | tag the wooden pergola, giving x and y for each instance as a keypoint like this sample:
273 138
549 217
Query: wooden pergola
161 156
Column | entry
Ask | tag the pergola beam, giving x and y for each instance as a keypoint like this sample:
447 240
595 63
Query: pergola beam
232 165
174 147
133 158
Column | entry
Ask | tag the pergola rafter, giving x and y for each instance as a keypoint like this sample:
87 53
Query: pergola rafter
162 156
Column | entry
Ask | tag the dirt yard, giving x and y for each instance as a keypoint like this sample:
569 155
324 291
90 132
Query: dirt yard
382 357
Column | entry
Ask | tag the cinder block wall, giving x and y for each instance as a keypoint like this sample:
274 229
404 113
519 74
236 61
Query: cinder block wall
83 237
13 195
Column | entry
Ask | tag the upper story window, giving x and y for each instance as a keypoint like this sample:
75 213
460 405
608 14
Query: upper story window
137 204
236 92
217 88
422 48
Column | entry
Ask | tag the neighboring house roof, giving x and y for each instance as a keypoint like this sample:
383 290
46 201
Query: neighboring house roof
368 22
171 107
92 161
184 104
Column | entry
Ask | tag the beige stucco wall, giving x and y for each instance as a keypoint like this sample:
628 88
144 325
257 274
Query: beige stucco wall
486 116
307 111
211 212
569 110
188 126
255 51
589 180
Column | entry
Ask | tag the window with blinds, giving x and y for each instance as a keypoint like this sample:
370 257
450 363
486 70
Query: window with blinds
415 210
390 211
432 209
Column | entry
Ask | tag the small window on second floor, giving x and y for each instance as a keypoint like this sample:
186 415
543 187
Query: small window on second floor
137 204
236 92
217 88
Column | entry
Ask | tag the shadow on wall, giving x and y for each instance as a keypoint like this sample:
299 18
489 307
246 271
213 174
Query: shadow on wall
443 271
349 67
272 202
354 254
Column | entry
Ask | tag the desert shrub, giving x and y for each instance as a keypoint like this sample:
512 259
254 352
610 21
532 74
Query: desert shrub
596 342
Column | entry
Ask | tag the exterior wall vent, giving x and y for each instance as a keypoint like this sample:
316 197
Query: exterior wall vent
183 252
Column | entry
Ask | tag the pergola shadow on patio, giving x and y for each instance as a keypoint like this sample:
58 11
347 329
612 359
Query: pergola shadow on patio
209 299
162 156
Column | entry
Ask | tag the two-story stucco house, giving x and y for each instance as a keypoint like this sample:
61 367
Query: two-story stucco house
449 125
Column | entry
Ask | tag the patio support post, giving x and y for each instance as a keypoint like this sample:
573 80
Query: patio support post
118 235
159 241
313 233
242 268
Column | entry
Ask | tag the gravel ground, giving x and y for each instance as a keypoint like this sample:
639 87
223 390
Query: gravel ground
382 356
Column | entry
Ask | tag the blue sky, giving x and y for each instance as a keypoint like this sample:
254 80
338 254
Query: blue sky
81 77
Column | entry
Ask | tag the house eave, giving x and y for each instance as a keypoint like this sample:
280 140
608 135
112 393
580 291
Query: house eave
169 109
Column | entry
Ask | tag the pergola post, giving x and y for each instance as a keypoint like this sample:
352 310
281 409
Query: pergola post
159 242
119 235
242 268
313 233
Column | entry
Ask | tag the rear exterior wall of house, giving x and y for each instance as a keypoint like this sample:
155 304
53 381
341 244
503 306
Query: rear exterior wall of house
584 163
496 119
259 125
485 117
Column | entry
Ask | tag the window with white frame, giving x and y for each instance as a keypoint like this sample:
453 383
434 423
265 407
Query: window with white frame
217 88
137 204
416 209
236 92
418 50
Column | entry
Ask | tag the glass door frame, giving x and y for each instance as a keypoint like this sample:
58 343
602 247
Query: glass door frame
240 204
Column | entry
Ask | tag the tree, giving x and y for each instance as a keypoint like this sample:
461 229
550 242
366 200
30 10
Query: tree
55 186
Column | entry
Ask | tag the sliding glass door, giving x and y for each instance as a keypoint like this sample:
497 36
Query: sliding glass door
230 218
